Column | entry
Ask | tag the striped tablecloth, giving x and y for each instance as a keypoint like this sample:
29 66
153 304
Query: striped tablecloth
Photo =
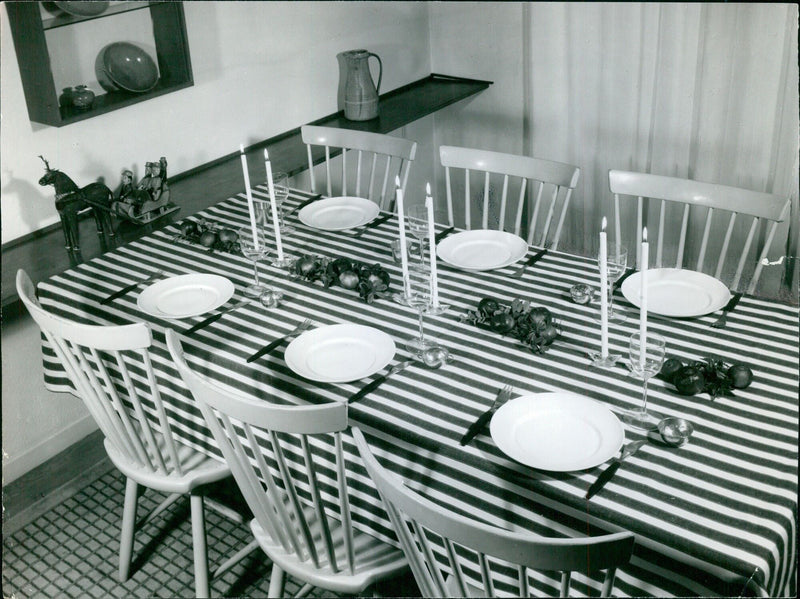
707 516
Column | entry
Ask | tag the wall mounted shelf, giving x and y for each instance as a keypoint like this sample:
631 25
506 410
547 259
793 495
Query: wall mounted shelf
29 30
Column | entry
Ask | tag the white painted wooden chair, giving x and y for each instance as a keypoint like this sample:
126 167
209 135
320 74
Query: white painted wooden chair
548 184
733 202
379 159
305 529
138 435
439 543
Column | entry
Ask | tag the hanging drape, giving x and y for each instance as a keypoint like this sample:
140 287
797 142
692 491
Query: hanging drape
701 91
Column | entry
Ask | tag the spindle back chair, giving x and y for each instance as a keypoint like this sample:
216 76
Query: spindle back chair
111 370
379 160
439 542
737 203
548 183
276 454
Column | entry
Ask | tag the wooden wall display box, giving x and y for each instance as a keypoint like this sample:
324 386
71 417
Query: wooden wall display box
29 26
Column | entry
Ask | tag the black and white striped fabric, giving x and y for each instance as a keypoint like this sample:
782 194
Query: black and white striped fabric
707 516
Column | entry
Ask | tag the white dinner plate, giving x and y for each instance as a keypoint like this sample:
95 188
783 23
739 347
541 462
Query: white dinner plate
677 292
339 353
482 249
185 295
559 432
337 214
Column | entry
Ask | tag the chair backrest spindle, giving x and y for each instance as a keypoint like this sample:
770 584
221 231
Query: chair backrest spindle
511 172
137 425
439 567
741 204
398 153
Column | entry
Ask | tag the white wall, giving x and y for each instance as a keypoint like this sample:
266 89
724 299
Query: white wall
260 68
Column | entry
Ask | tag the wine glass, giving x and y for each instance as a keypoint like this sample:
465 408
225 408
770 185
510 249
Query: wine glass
254 247
417 219
280 184
654 351
616 262
420 298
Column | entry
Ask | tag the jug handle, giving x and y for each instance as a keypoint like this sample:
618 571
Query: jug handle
380 70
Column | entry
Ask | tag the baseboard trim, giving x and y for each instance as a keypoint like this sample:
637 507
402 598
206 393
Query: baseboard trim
50 483
19 465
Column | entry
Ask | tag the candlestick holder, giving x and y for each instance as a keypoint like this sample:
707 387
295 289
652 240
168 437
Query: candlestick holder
598 361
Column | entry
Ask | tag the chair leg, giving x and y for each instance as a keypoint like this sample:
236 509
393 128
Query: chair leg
276 582
199 546
128 528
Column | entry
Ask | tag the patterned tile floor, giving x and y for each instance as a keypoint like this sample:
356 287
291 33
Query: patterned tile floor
73 551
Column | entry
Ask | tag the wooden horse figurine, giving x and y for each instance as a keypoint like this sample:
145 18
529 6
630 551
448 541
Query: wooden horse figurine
71 200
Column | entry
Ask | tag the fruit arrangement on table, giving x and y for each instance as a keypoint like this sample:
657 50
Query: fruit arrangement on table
533 326
209 235
712 376
369 280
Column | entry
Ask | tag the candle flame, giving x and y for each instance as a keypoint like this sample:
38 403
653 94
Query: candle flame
266 154
644 234
397 181
604 223
428 188
241 148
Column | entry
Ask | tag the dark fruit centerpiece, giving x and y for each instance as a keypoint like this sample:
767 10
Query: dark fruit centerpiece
209 235
712 376
533 326
369 280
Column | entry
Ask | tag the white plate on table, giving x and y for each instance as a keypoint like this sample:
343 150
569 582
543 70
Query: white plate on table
338 214
677 292
185 295
339 353
482 249
559 432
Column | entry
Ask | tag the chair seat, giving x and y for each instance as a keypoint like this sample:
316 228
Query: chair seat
374 559
198 470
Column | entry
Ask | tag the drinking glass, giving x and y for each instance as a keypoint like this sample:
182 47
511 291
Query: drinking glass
420 298
280 183
417 219
654 351
616 262
254 248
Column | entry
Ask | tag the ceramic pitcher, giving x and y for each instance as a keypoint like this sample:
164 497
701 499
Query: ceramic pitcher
361 94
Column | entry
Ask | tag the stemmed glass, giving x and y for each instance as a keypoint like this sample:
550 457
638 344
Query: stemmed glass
654 352
280 183
254 248
616 262
420 298
417 218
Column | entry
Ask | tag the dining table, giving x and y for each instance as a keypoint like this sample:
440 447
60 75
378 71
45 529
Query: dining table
714 517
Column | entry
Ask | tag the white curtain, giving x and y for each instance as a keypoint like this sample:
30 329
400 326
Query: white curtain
701 91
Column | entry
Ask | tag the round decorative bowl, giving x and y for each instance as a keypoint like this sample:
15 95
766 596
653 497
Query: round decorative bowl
83 9
126 66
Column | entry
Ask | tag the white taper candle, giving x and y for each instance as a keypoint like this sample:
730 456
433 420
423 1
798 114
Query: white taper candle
603 262
274 206
249 192
402 231
432 238
643 300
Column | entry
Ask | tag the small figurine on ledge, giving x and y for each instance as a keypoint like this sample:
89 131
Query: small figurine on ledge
72 200
147 201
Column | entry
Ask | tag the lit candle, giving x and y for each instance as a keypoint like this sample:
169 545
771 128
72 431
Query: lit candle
432 237
250 206
274 206
403 251
603 260
643 300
